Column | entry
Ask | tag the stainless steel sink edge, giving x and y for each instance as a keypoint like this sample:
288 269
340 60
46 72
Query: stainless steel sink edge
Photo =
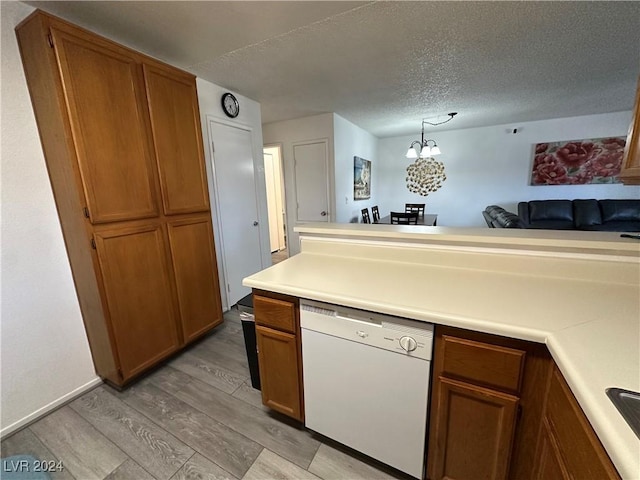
628 404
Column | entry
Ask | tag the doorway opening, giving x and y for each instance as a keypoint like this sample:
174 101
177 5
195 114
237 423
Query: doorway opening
274 178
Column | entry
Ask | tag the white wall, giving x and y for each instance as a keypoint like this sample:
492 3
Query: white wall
45 357
287 133
487 165
351 140
249 117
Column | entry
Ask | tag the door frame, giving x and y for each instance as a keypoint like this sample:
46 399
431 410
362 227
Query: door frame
215 210
283 190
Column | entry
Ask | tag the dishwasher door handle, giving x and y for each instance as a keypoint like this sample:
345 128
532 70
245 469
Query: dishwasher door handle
364 320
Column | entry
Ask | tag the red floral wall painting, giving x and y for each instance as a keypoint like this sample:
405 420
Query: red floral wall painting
578 162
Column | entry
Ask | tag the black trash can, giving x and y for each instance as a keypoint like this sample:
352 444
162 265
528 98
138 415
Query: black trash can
245 307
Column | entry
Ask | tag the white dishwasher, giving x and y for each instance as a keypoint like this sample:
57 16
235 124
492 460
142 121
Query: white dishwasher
366 381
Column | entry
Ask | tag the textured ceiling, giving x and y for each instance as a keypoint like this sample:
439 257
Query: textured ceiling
386 65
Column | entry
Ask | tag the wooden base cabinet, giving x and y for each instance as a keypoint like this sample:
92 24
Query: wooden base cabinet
550 463
279 352
568 448
466 414
486 404
476 394
277 357
121 138
501 409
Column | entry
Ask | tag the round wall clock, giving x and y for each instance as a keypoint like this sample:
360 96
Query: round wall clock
230 105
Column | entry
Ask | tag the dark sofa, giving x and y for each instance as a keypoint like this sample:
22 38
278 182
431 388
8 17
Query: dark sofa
498 217
598 215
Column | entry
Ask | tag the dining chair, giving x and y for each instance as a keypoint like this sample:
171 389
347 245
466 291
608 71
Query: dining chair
414 208
404 218
376 214
365 216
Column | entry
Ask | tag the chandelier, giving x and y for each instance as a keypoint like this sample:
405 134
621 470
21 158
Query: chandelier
426 174
425 151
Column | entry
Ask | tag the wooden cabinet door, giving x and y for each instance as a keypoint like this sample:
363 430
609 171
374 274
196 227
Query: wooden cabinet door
630 173
474 428
279 364
104 92
549 465
580 448
196 275
177 139
134 264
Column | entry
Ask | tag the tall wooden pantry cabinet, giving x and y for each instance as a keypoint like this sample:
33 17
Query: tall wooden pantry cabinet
122 142
630 172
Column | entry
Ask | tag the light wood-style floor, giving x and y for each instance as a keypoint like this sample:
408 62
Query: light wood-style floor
279 256
196 417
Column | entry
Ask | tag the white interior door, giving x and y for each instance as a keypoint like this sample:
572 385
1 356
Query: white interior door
312 188
236 205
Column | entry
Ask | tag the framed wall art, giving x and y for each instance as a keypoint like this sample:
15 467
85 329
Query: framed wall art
578 162
361 179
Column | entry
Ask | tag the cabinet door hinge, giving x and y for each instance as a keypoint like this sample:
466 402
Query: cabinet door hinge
93 243
213 148
120 376
50 40
228 288
86 212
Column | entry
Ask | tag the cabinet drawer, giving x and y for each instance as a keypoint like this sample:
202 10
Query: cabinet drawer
278 314
480 363
580 448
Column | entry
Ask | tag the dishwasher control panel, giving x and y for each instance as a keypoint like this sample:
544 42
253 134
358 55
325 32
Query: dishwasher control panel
412 338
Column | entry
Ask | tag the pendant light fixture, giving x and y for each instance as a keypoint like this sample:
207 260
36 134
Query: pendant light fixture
424 149
426 174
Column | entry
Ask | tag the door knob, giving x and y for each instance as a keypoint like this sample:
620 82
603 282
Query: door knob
255 224
323 214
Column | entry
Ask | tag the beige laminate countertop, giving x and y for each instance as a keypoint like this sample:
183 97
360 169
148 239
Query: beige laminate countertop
592 328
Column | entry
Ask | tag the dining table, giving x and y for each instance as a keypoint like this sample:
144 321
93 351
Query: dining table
428 219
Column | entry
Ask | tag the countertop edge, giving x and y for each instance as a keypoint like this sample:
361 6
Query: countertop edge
567 240
484 326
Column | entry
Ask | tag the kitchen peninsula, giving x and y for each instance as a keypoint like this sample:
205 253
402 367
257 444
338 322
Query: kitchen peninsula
578 293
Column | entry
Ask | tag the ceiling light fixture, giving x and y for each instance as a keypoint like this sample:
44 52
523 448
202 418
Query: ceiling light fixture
424 150
426 174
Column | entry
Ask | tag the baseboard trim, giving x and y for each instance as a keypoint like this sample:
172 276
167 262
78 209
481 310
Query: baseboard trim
41 412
